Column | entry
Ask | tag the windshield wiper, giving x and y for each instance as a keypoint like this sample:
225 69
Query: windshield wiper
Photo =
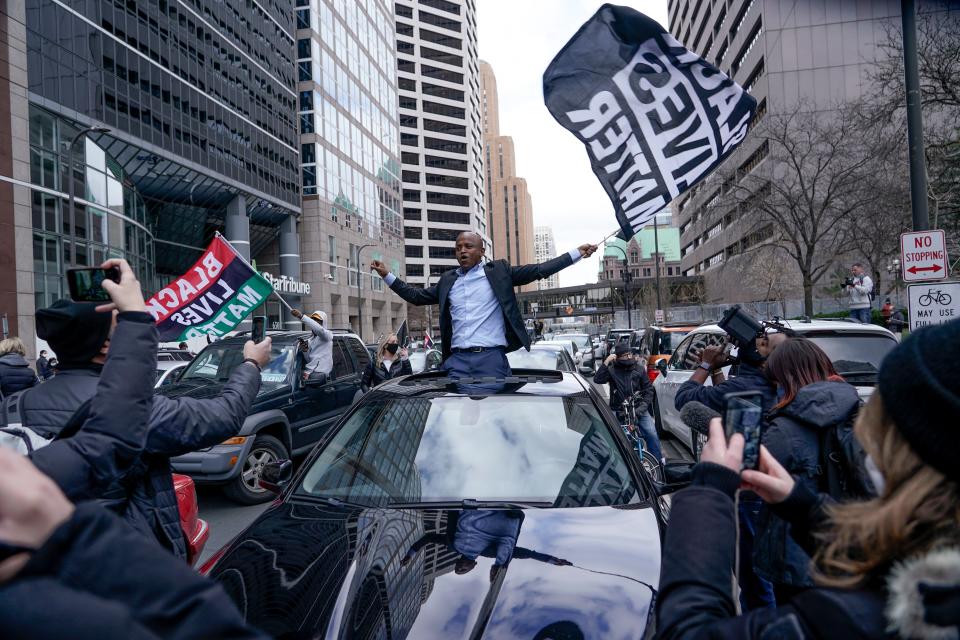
468 503
333 502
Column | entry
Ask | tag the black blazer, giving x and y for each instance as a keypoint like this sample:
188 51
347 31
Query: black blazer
502 278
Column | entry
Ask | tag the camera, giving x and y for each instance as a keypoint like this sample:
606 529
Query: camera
848 282
742 329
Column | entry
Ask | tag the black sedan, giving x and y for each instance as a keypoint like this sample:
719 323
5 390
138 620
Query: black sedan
512 509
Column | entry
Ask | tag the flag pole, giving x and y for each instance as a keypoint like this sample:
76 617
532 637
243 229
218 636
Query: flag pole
246 262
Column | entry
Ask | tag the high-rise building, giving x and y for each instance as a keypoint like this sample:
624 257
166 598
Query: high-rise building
350 157
786 54
509 205
138 130
440 132
544 248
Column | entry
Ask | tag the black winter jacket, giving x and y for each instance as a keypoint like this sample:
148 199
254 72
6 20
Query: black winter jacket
376 374
696 597
176 426
624 382
15 374
748 378
792 435
96 579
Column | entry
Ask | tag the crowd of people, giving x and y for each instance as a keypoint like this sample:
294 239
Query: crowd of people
91 547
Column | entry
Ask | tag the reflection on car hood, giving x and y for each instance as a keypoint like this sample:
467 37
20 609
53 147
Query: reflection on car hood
306 570
197 388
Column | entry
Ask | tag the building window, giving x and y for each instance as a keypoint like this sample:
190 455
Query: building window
443 92
449 235
413 251
414 270
413 233
443 253
332 257
448 217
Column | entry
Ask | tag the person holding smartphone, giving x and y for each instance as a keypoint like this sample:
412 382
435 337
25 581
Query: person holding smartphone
391 362
814 399
884 567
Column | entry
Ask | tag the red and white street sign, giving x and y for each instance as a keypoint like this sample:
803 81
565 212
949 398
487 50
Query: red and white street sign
923 256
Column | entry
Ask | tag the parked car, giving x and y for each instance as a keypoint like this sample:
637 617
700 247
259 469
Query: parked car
434 513
423 361
584 348
855 349
567 344
657 342
287 418
168 371
195 531
616 335
543 355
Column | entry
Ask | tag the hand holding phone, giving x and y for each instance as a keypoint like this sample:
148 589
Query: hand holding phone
86 285
743 414
259 331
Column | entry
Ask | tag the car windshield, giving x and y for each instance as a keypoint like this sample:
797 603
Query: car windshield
534 359
555 451
217 362
856 357
670 340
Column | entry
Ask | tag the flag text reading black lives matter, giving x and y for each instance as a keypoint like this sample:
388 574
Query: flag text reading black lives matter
655 117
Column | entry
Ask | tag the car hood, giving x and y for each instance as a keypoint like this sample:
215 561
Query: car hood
200 389
307 570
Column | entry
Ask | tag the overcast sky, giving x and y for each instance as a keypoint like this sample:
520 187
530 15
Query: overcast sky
519 38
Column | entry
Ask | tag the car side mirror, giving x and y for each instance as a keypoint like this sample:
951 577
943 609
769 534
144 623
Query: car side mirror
275 476
662 367
586 370
677 474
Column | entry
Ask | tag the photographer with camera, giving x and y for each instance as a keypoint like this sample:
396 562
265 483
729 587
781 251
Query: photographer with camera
860 289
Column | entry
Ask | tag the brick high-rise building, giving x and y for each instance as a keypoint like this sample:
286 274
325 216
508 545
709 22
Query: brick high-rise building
785 54
509 205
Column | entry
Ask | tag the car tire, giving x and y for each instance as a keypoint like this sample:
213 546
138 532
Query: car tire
243 489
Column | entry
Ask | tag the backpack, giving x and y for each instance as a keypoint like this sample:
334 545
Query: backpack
841 470
17 436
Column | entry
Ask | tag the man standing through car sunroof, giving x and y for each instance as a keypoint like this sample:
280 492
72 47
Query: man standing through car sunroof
480 320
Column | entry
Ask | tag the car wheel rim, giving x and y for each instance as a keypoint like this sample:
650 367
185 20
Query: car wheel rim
253 467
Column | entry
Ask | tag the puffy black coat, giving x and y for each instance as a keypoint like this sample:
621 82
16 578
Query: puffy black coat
696 596
376 374
148 500
793 436
624 382
748 378
15 374
96 579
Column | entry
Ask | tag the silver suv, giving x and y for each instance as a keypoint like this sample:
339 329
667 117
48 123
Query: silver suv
855 349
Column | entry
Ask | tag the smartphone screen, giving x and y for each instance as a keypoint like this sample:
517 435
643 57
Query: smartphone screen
743 413
86 284
259 331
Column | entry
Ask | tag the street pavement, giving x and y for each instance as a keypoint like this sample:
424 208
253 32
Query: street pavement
226 518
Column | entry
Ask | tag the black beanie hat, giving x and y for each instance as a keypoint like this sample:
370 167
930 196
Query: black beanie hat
74 330
622 348
919 382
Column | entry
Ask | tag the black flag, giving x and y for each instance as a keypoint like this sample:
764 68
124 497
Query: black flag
402 337
655 118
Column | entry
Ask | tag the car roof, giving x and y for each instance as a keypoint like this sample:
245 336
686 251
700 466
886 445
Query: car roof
547 345
282 337
538 382
811 326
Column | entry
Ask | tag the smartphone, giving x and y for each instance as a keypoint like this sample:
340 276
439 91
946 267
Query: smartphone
86 284
743 414
259 331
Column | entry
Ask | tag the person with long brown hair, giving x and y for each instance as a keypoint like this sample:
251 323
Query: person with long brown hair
813 399
885 567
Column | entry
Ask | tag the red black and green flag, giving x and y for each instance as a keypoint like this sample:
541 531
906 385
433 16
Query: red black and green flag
211 298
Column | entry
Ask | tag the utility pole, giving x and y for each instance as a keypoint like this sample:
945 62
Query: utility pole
911 72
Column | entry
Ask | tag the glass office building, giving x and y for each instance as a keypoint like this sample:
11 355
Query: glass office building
178 117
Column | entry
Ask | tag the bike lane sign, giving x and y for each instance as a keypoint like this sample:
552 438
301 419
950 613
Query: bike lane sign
933 303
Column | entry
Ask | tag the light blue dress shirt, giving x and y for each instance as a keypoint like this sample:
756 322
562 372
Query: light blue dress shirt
474 309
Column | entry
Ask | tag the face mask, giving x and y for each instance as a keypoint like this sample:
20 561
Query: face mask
875 476
393 348
626 364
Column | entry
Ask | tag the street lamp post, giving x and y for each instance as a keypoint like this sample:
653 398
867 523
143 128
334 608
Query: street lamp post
626 284
73 142
893 270
360 291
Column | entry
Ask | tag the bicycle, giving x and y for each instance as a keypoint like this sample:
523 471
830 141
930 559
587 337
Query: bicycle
647 460
935 295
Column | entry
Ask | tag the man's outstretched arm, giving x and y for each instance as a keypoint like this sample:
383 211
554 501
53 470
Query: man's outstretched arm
413 295
528 273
